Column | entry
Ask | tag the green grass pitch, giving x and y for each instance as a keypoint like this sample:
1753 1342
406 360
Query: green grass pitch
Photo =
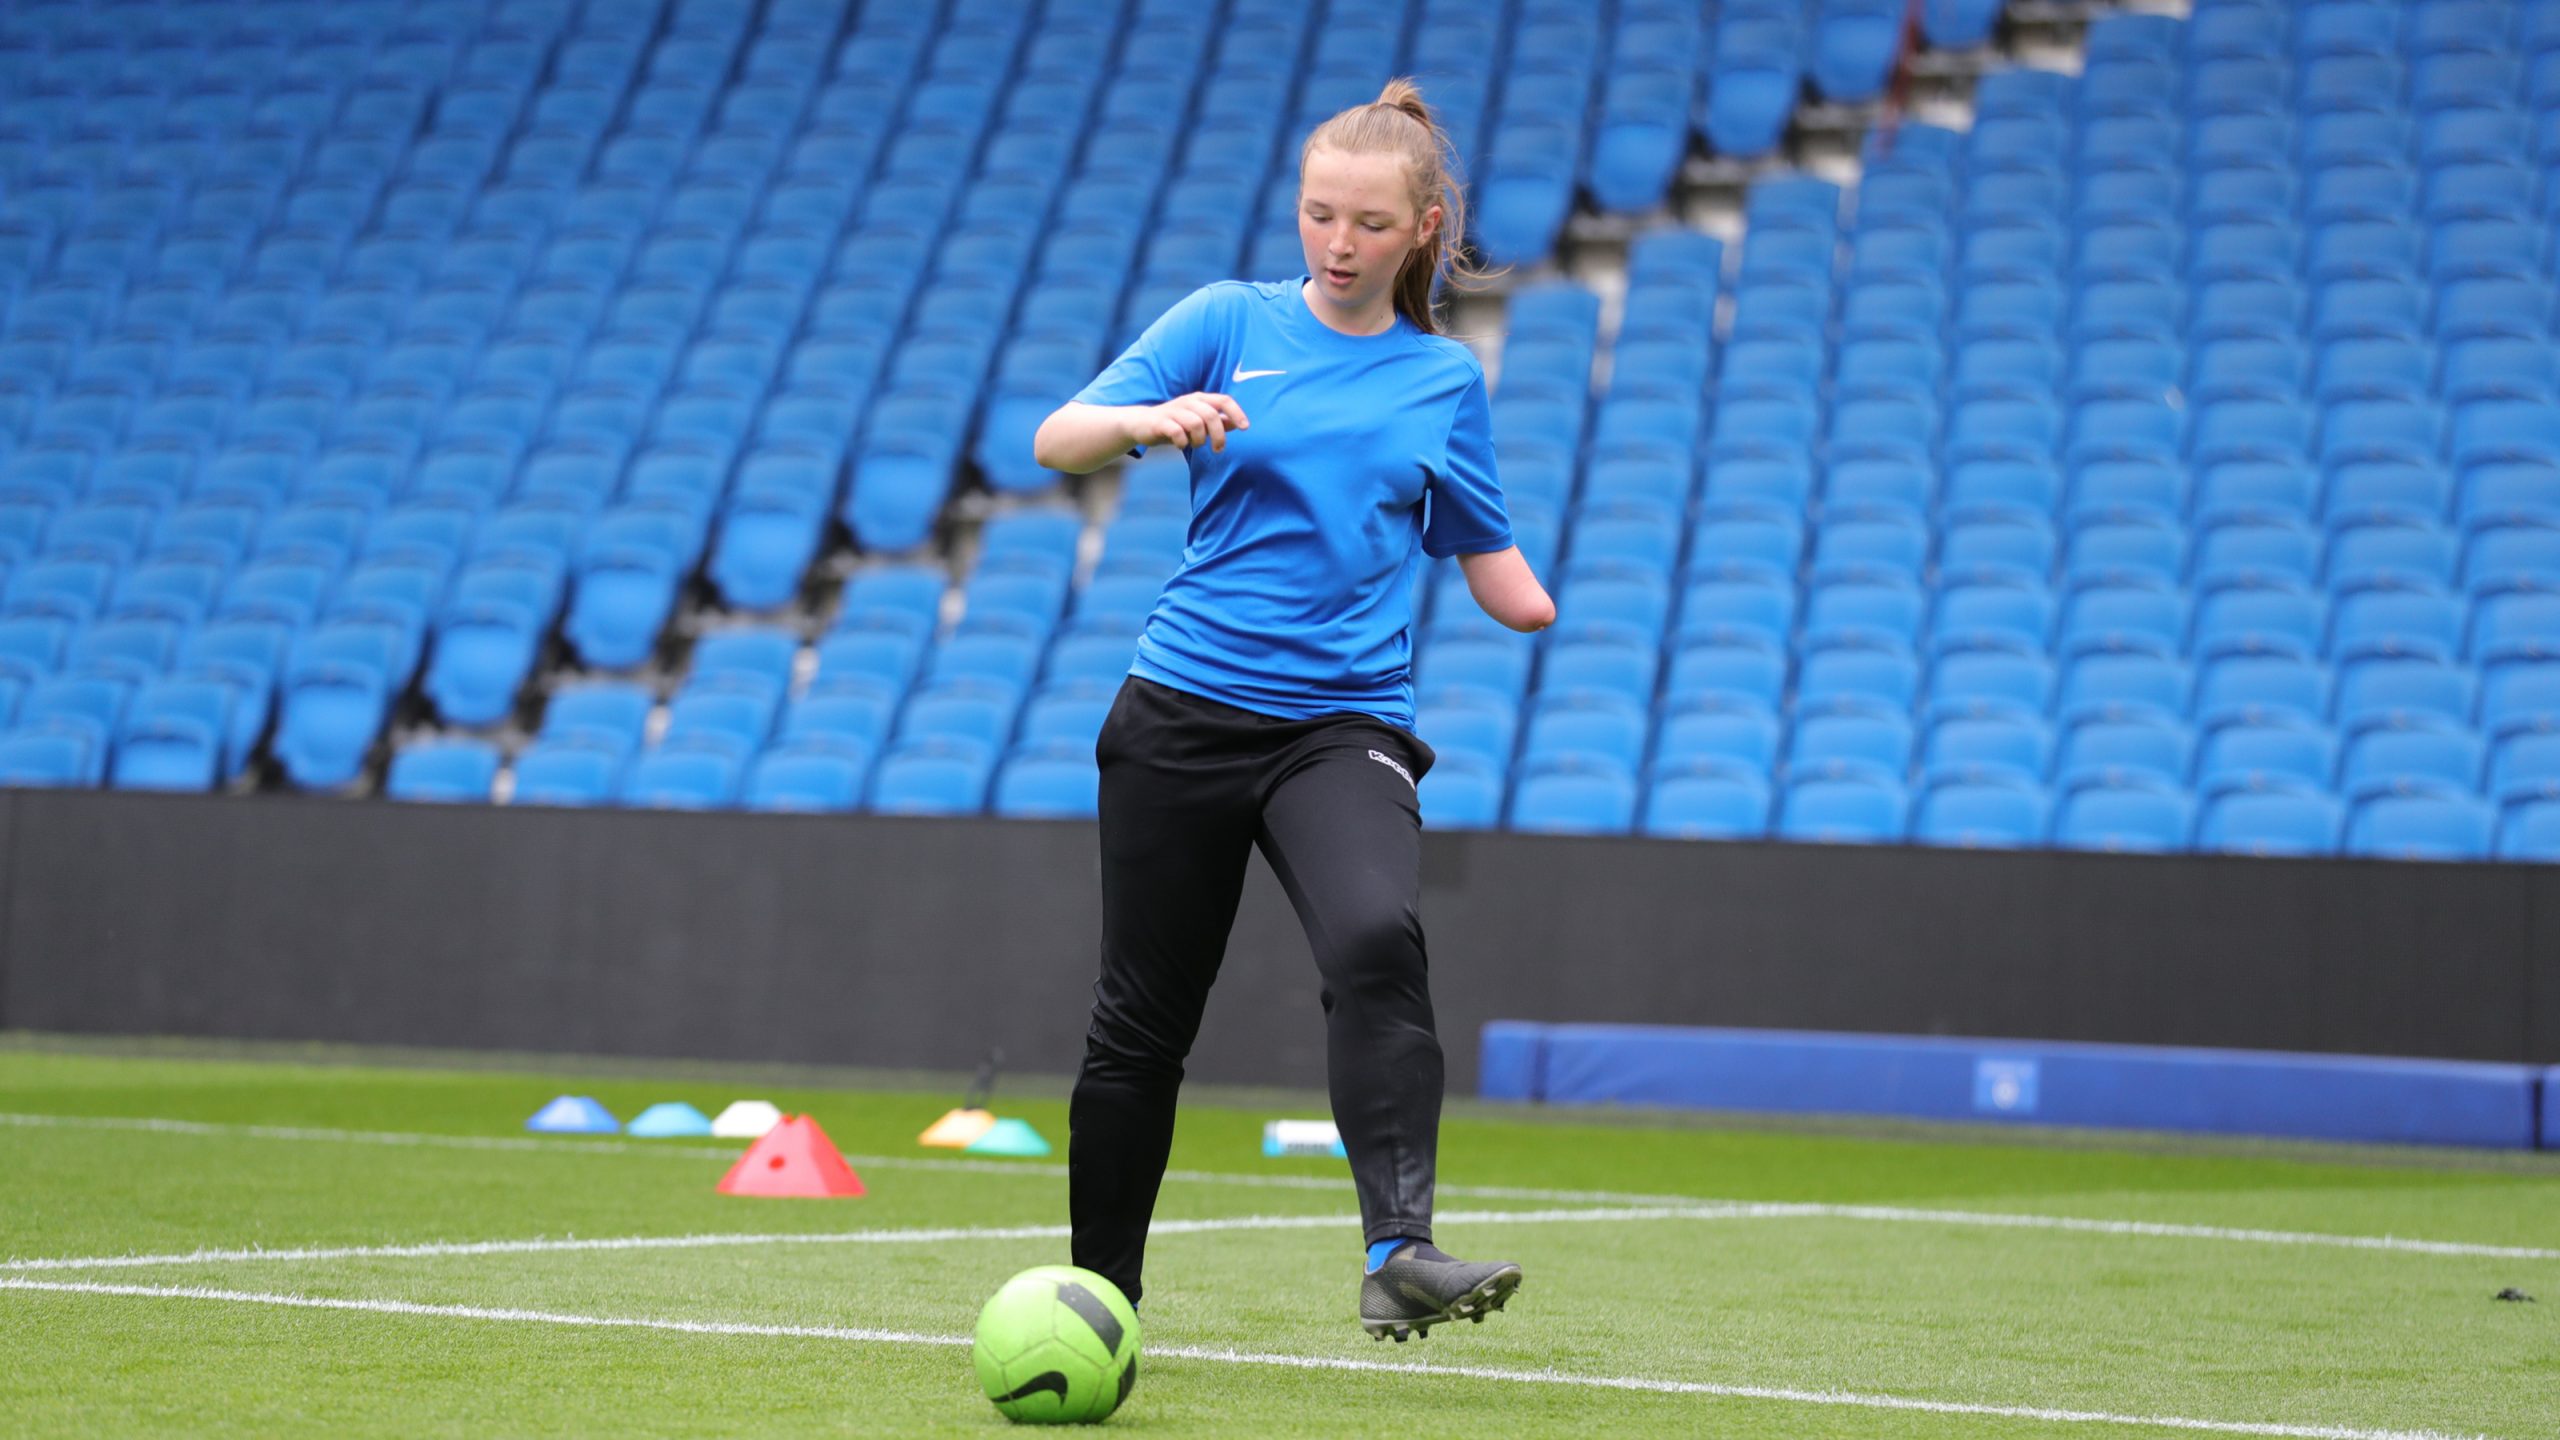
372 1246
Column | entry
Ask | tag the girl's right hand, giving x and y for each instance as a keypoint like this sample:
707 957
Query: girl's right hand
1187 421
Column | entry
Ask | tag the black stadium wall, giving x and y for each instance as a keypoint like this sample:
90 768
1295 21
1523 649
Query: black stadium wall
920 942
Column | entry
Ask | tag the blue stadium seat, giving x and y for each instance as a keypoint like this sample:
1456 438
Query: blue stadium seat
1705 800
1074 711
133 649
1874 746
2523 555
2001 749
1527 189
622 600
2393 689
31 645
449 771
2259 685
1462 792
976 712
1974 814
2525 767
1030 588
699 773
910 591
1869 544
1643 128
1747 544
1049 782
1880 470
986 651
2125 751
1990 616
2419 823
93 705
1599 658
2511 627
2265 489
2380 620
2385 549
244 657
1731 738
329 715
1747 610
609 715
170 745
2386 758
2123 817
903 469
2141 617
1873 614
1574 794
1600 728
1958 24
932 777
1752 90
481 657
1744 675
810 774
735 707
1843 810
1858 676
1998 547
877 644
761 653
769 531
48 757
2531 832
2273 819
854 707
1990 683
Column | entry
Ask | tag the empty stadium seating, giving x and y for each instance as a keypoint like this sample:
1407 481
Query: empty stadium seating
2167 461
476 398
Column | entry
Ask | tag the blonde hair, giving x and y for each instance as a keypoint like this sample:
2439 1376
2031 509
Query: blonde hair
1399 123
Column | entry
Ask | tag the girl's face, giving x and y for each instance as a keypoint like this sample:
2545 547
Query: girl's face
1357 222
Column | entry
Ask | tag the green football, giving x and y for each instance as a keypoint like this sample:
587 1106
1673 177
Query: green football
1057 1345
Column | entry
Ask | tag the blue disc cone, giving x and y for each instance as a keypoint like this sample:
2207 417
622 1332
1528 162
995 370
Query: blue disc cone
573 1115
668 1118
1009 1137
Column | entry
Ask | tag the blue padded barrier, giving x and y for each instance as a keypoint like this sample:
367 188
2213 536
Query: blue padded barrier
2370 1099
1511 1063
2551 1108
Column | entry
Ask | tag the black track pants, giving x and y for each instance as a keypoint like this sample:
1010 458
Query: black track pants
1188 787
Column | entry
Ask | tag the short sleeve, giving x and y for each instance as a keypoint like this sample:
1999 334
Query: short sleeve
1175 356
1466 515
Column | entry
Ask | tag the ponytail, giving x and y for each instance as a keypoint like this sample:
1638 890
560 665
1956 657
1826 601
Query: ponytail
1399 123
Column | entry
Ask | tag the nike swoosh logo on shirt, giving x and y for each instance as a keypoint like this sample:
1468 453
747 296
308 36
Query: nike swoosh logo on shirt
1244 375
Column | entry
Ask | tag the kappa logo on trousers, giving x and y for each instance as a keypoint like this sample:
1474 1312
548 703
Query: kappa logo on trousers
1399 769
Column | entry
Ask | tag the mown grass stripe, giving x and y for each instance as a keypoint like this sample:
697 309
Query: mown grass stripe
1843 1398
1687 1204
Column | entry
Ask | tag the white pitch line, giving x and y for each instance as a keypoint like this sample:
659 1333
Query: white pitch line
1635 1383
1885 1214
1800 1397
481 1312
1894 1214
1161 1228
1734 1210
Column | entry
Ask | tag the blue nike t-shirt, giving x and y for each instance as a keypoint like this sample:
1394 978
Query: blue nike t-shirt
1365 452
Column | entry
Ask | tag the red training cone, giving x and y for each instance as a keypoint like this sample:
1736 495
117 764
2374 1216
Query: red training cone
795 1158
